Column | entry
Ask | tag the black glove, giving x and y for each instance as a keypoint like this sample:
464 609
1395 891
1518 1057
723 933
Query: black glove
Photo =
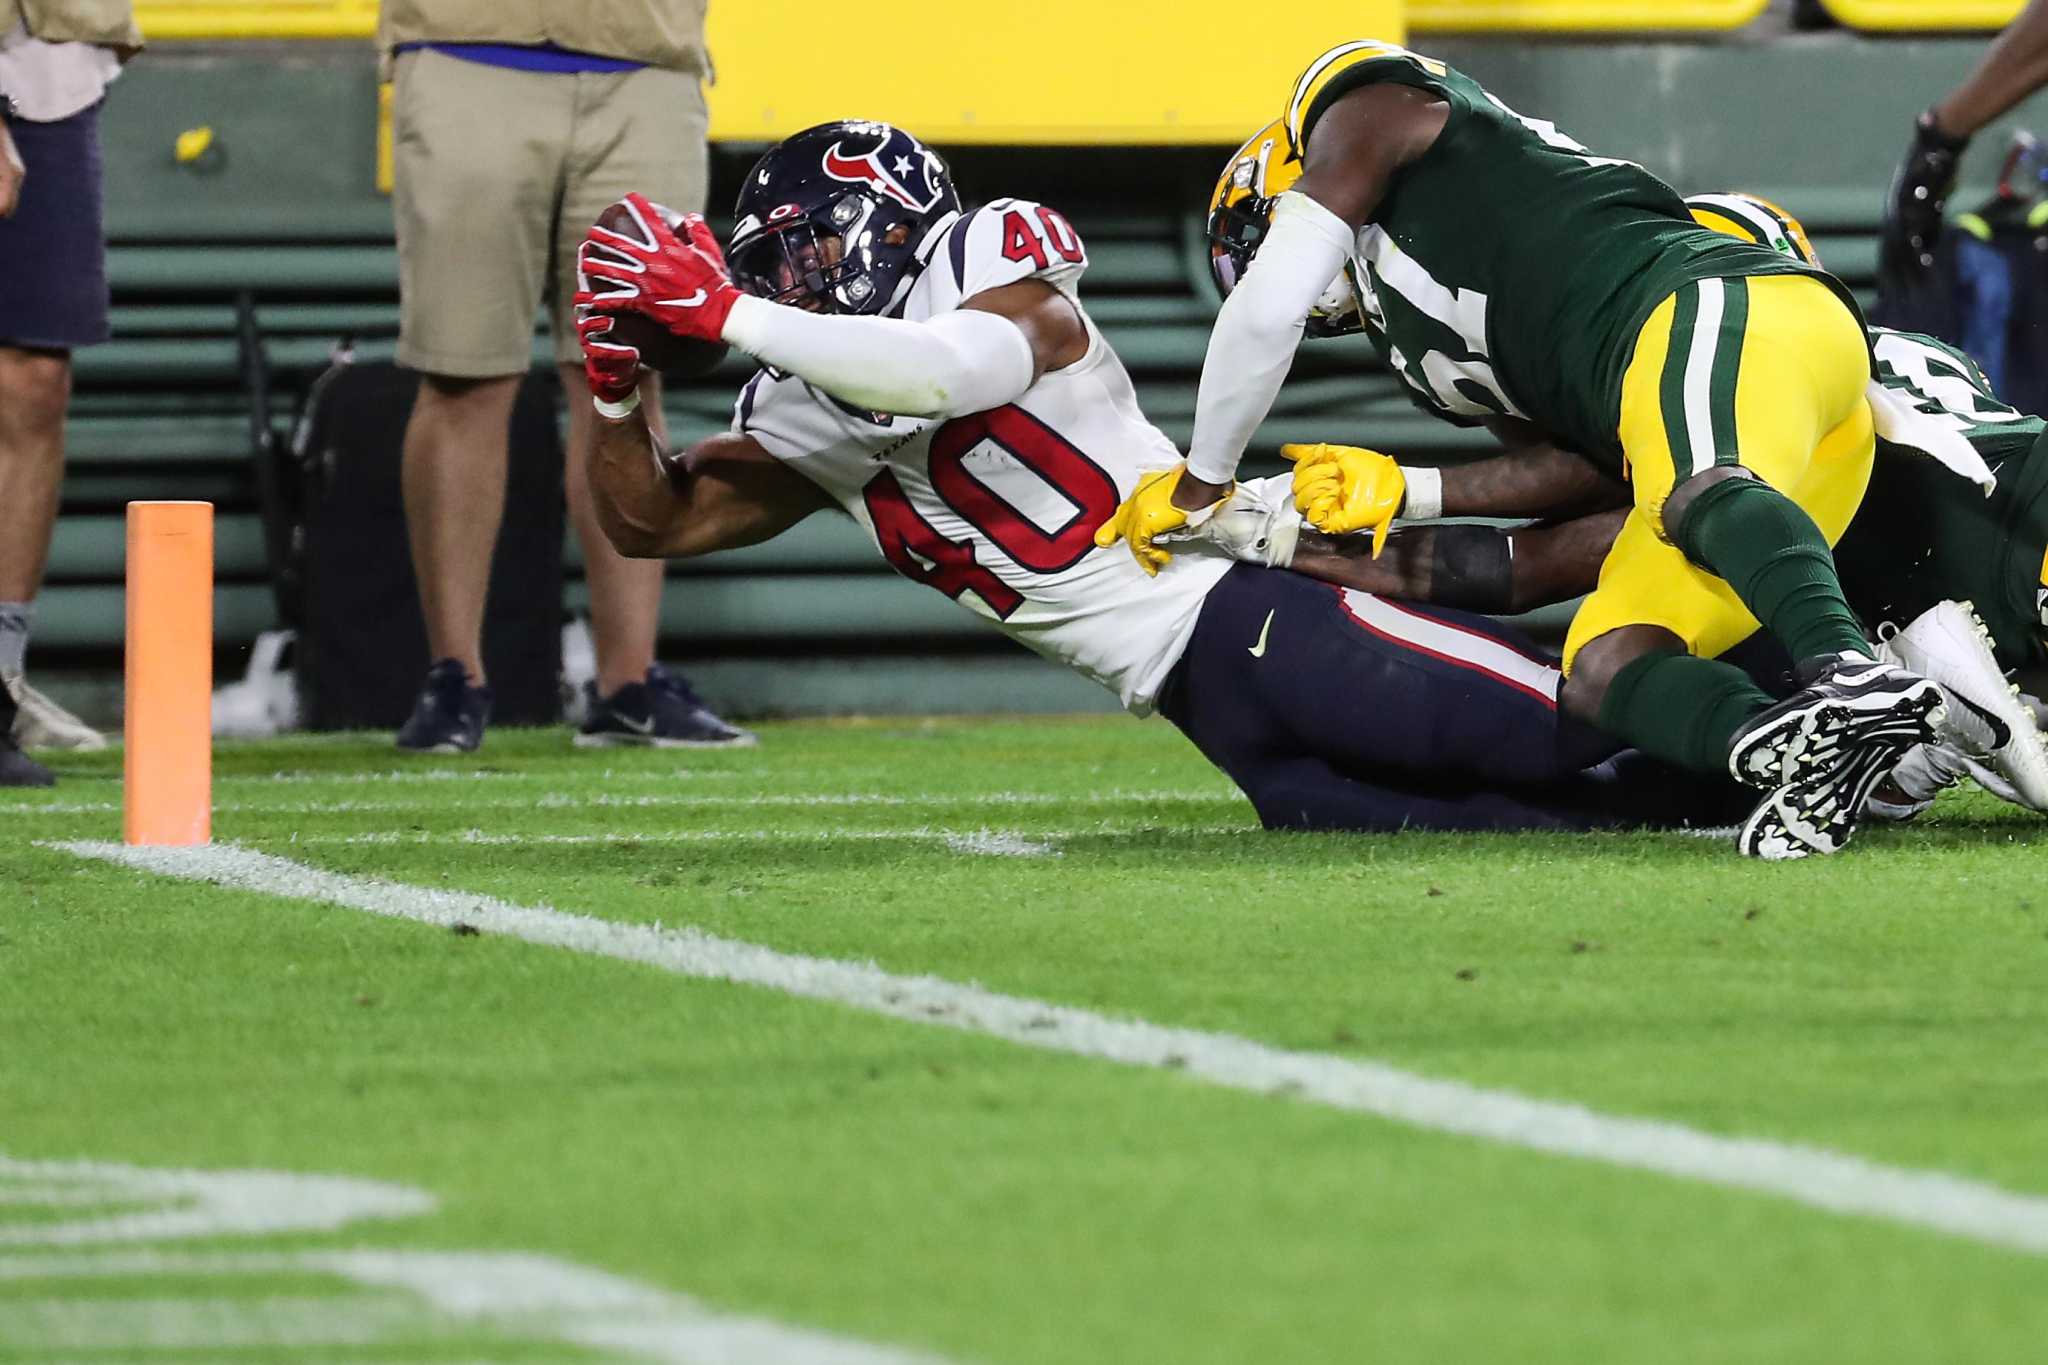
1916 202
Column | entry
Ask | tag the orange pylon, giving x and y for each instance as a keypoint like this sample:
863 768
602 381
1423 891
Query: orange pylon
168 765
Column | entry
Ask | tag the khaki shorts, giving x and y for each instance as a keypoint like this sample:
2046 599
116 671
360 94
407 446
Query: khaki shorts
499 175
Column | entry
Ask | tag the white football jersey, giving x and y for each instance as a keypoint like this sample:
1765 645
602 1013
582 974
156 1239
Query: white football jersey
998 509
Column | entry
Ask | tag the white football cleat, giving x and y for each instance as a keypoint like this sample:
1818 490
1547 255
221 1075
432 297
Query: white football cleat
1987 718
42 724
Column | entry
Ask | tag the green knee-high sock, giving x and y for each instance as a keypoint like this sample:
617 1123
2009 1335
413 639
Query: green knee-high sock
1681 709
1763 546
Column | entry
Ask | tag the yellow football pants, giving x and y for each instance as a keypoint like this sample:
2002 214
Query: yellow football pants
1767 372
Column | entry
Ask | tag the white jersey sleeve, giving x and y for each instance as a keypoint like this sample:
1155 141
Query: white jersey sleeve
1000 243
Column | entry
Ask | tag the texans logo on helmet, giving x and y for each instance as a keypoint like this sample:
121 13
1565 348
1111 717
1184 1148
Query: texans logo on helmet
895 180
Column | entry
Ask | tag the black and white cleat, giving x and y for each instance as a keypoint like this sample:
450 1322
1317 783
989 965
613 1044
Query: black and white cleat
1850 703
1818 813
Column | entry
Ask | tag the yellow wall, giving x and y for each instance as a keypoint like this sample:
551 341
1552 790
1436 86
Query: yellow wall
1109 71
1925 14
1145 71
1580 16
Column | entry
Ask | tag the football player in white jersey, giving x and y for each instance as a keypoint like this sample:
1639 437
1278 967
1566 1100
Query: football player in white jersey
931 373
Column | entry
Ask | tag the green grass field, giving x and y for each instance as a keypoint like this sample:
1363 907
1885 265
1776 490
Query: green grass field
577 1157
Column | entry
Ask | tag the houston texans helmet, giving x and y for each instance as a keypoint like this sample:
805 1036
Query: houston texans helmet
830 219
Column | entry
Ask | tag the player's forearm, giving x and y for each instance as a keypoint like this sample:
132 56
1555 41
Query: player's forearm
1558 561
1252 346
2015 66
1526 483
959 362
632 489
1402 570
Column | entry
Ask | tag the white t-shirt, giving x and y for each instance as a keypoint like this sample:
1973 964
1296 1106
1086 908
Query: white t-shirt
44 82
998 509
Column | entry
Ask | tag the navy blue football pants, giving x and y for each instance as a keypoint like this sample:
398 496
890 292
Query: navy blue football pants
1336 709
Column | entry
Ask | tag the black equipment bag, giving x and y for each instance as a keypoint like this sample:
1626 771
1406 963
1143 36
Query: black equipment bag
362 650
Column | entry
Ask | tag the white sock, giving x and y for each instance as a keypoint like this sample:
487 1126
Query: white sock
15 618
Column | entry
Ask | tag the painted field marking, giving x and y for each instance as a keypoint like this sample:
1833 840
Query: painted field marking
430 776
397 1299
191 1203
1815 1177
990 843
607 801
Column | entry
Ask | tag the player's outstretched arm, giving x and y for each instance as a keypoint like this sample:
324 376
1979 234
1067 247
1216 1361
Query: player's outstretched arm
982 355
1353 155
722 493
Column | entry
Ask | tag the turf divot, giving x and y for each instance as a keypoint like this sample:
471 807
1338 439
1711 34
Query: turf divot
1813 1177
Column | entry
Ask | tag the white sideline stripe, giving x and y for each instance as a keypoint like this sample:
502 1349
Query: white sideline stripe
606 801
307 776
986 842
1815 1177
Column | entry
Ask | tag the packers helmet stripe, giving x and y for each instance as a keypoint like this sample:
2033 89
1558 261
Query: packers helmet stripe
1753 219
1326 67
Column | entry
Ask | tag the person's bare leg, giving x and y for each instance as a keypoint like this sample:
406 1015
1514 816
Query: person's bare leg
35 390
625 594
454 483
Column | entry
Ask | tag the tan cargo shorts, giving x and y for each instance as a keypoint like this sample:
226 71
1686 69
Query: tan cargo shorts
499 175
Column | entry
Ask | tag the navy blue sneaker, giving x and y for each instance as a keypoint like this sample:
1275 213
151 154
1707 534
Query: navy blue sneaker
17 769
450 716
662 712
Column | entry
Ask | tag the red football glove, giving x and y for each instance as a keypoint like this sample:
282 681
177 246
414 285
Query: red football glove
679 282
612 366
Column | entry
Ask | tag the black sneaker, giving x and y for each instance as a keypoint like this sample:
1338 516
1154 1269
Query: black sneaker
662 712
17 769
1850 702
450 716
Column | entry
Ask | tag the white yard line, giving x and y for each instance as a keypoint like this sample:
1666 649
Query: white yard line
1181 796
406 777
1811 1176
988 843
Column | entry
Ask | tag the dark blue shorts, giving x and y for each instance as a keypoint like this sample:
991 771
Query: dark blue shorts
1336 709
53 251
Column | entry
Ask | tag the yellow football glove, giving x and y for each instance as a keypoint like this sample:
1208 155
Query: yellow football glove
1342 489
1149 513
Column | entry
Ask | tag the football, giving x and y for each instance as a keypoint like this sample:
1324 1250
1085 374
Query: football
660 350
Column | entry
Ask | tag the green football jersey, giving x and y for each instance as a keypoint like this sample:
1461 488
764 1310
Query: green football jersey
1508 271
1924 534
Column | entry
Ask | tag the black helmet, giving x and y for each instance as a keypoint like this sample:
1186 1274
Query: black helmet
831 218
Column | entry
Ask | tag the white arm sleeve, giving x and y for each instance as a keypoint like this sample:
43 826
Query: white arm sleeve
1252 348
959 362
